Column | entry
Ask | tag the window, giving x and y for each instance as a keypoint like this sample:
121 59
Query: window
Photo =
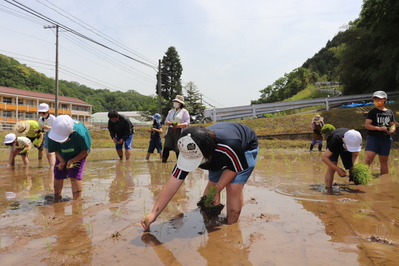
20 101
7 100
30 116
80 108
7 114
64 106
29 102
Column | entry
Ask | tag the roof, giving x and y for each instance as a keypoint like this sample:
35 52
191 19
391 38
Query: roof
41 95
96 118
129 114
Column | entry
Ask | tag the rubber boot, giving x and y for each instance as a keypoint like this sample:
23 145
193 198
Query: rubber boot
320 147
311 146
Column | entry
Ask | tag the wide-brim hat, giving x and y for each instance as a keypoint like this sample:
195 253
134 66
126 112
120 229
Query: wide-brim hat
22 127
179 99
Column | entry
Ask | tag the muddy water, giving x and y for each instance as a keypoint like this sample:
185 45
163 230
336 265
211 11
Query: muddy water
288 218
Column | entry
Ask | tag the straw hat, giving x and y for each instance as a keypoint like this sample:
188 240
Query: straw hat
317 118
22 127
179 99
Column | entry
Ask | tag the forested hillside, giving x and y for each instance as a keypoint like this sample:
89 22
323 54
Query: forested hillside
15 75
363 58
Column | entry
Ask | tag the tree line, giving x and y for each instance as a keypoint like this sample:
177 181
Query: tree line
363 57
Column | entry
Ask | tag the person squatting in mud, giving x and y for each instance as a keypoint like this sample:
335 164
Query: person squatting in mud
227 150
343 143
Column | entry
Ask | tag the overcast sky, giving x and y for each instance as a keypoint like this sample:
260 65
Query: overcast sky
230 49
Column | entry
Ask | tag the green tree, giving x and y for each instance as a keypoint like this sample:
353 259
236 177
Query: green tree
171 70
193 99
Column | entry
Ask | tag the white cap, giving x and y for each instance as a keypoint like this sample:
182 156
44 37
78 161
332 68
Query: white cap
43 107
10 138
353 140
190 155
61 128
380 94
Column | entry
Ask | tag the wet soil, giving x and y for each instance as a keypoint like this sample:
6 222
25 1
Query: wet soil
288 217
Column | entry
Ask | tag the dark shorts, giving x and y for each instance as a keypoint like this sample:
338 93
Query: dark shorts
346 158
75 172
127 143
171 138
155 144
34 140
381 146
241 177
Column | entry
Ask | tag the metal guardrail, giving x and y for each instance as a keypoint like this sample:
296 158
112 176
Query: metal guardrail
253 111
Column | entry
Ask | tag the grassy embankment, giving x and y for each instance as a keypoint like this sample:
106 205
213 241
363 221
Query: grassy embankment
281 131
273 128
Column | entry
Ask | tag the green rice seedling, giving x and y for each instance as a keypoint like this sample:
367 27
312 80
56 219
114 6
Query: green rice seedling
210 197
361 174
48 245
327 128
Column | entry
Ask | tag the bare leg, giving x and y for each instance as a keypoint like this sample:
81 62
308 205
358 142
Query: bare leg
147 157
120 154
58 185
160 155
383 164
76 188
50 157
25 159
369 157
329 176
11 158
234 202
127 154
40 154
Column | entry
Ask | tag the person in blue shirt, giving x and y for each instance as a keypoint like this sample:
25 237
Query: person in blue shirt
71 142
227 150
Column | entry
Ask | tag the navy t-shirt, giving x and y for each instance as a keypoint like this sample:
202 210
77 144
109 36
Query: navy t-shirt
234 140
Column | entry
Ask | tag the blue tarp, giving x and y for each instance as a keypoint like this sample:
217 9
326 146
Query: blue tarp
361 104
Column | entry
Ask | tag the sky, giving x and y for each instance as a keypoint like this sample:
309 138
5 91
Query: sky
230 49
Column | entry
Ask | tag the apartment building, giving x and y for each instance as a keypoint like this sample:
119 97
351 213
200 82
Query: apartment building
18 105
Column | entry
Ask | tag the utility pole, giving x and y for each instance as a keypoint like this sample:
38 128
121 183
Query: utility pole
56 65
159 88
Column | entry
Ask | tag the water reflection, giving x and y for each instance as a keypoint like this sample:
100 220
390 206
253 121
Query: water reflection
122 185
73 235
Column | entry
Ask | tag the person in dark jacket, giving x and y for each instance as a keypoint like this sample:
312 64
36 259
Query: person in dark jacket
121 131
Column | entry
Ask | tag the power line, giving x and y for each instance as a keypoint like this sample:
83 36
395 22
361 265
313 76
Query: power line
95 31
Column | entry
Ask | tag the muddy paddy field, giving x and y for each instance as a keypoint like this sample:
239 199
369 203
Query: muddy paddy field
288 218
